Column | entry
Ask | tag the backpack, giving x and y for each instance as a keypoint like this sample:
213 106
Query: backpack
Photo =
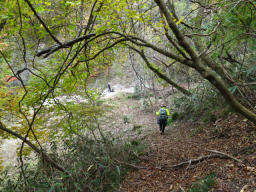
162 114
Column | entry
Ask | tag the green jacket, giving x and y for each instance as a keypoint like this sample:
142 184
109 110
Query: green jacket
167 111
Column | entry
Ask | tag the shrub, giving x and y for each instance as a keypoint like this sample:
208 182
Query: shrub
203 185
139 131
136 96
174 117
93 165
203 104
169 121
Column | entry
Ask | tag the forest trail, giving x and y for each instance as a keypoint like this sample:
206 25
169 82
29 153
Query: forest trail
184 141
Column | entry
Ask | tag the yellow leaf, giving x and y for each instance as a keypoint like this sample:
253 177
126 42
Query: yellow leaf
179 22
89 168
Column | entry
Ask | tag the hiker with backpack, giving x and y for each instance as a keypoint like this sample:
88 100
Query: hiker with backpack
162 114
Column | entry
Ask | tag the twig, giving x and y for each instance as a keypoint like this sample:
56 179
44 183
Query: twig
205 35
159 73
245 149
41 21
130 165
188 165
246 84
224 154
182 189
141 158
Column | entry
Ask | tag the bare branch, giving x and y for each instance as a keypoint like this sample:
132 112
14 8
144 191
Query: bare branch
159 73
200 159
204 35
104 49
41 21
144 43
92 18
52 49
163 63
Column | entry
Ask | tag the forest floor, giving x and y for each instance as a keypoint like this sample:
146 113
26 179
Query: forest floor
232 171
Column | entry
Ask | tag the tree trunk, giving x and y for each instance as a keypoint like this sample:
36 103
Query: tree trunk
213 78
203 69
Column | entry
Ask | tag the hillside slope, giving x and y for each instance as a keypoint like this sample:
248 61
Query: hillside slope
234 170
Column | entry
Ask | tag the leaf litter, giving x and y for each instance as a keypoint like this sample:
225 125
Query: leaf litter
232 136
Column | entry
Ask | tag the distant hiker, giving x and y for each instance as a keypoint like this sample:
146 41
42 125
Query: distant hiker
162 114
109 88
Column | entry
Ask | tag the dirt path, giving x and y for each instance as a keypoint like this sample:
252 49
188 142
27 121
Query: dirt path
184 141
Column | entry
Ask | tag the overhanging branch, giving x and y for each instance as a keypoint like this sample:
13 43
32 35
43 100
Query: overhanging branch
41 21
159 73
54 48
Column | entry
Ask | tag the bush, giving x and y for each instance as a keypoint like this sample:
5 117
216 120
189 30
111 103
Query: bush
93 165
174 117
203 104
169 121
203 185
136 96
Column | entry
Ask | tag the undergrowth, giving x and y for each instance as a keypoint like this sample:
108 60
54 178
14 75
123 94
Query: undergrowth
203 185
173 118
93 166
205 105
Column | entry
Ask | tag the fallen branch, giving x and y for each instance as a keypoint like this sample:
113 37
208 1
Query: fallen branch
193 161
226 155
141 158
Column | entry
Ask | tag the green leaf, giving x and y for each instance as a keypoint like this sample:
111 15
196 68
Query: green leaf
233 89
